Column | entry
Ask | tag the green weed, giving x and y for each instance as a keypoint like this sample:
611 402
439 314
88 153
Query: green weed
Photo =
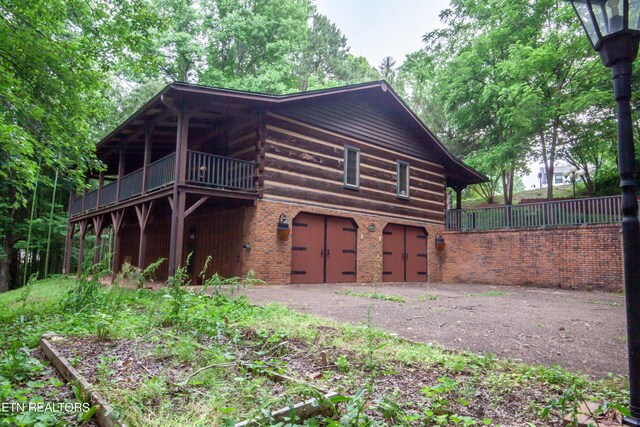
371 295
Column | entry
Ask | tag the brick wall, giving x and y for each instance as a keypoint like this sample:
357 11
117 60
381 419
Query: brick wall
585 257
270 258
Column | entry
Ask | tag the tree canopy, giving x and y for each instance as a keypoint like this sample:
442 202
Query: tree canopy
501 83
509 82
72 70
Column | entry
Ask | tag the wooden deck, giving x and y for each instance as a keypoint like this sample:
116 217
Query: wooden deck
204 171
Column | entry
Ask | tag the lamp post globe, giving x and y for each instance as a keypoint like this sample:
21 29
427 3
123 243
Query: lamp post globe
613 28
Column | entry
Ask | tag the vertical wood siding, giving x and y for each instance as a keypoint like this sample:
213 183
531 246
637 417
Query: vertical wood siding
304 163
218 234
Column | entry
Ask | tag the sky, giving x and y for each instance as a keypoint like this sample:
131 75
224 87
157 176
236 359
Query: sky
379 28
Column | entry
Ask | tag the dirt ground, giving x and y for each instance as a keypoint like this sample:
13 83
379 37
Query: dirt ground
581 331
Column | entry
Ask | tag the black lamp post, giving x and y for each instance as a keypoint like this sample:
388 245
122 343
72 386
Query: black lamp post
613 28
572 176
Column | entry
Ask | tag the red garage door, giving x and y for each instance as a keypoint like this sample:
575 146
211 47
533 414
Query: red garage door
323 249
404 254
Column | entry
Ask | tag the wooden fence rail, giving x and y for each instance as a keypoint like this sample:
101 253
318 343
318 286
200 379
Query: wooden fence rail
595 210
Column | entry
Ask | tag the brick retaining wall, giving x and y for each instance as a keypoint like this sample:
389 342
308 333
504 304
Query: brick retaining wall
585 257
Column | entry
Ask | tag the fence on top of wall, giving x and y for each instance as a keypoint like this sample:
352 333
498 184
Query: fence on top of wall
557 213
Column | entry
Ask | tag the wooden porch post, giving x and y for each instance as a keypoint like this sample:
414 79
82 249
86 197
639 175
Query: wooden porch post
116 223
459 197
179 196
147 155
97 228
100 185
143 212
84 194
120 173
83 231
68 244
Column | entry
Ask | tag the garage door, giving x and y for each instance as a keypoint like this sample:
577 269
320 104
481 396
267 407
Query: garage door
323 249
404 254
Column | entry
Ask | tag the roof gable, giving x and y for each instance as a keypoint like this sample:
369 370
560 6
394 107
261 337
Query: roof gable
376 113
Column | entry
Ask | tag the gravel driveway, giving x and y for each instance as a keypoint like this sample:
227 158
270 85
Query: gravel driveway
581 331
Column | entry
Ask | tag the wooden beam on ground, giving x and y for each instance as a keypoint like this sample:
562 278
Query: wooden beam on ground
104 414
303 411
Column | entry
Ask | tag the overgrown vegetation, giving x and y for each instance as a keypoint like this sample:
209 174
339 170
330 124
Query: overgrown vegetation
372 295
179 357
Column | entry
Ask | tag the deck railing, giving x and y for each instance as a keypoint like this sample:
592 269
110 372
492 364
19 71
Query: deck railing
161 172
131 185
108 194
91 201
218 171
76 207
202 169
595 210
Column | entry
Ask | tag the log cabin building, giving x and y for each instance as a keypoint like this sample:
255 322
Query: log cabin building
358 180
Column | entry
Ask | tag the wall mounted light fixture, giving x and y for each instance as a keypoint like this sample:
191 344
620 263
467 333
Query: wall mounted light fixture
283 228
439 242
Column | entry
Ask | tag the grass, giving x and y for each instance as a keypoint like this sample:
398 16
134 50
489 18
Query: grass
487 294
371 295
174 334
559 191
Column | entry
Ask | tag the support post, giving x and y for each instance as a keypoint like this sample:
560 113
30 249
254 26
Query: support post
68 244
120 173
143 212
116 223
621 74
84 194
147 155
97 228
83 231
100 185
179 196
458 197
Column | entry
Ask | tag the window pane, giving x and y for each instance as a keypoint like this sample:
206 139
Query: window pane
351 167
634 14
582 9
403 180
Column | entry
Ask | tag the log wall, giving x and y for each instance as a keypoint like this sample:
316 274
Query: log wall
304 164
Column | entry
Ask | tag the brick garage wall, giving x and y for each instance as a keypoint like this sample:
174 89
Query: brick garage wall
585 257
270 258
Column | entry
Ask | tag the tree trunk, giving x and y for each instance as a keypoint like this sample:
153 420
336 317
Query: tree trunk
507 185
5 262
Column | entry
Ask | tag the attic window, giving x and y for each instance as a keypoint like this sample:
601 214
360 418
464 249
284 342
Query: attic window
402 186
351 167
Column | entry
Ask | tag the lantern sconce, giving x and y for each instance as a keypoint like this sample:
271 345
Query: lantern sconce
283 228
439 242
